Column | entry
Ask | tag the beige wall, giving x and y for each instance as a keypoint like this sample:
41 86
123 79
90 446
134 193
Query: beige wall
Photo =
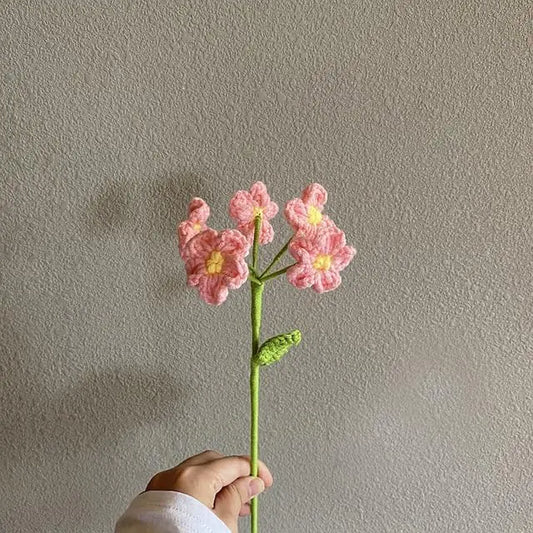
408 405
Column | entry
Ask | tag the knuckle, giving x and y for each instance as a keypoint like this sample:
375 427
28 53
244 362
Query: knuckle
217 482
234 491
236 494
183 476
212 452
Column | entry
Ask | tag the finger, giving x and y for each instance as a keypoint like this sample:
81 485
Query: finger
210 455
212 477
262 471
166 480
228 469
202 458
230 500
204 481
245 510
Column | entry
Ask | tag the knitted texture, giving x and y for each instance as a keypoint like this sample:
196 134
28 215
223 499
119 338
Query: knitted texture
256 309
214 262
305 213
245 206
320 256
276 347
198 214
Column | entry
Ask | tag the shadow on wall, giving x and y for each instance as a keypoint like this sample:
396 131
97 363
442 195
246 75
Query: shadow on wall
148 212
70 417
51 424
133 207
69 429
97 413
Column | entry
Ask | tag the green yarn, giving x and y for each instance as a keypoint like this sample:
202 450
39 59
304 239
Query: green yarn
257 301
277 258
276 347
269 352
277 273
258 220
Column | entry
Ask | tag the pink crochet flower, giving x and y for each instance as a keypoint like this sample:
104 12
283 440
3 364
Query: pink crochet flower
320 256
214 262
306 212
198 214
245 205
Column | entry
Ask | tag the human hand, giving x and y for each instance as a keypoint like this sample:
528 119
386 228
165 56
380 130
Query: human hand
220 482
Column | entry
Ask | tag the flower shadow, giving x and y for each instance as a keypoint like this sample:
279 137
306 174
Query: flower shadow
148 212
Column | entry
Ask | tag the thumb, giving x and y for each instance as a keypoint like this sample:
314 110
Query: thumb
231 498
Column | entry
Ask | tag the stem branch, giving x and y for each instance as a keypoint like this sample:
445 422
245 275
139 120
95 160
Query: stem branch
277 258
276 274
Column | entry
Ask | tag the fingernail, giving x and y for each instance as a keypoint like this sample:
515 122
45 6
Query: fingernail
256 486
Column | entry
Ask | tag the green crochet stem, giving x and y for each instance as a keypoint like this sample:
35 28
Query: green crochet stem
257 295
275 274
276 259
253 278
280 345
257 300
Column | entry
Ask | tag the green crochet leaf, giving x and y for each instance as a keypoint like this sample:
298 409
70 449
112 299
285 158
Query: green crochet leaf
275 348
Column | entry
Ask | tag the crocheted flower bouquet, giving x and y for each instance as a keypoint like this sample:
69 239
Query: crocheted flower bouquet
215 262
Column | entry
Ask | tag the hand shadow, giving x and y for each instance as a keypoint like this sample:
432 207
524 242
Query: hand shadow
61 433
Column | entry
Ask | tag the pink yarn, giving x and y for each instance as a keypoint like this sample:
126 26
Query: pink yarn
243 207
198 214
320 254
214 262
305 213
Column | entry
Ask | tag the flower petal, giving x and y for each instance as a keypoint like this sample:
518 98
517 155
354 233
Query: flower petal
325 239
326 222
258 192
241 207
198 210
302 247
185 232
232 241
296 214
266 234
271 210
235 272
301 276
315 195
342 258
213 289
195 268
327 281
247 229
202 244
334 239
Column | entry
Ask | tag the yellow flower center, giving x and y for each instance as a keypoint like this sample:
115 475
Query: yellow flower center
197 226
314 216
322 262
214 262
258 211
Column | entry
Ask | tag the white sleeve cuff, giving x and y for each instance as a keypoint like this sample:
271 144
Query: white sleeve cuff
166 511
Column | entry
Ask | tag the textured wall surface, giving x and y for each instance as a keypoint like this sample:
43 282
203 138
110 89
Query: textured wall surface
408 405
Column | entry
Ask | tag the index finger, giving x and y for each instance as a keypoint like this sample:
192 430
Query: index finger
232 467
262 471
213 476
